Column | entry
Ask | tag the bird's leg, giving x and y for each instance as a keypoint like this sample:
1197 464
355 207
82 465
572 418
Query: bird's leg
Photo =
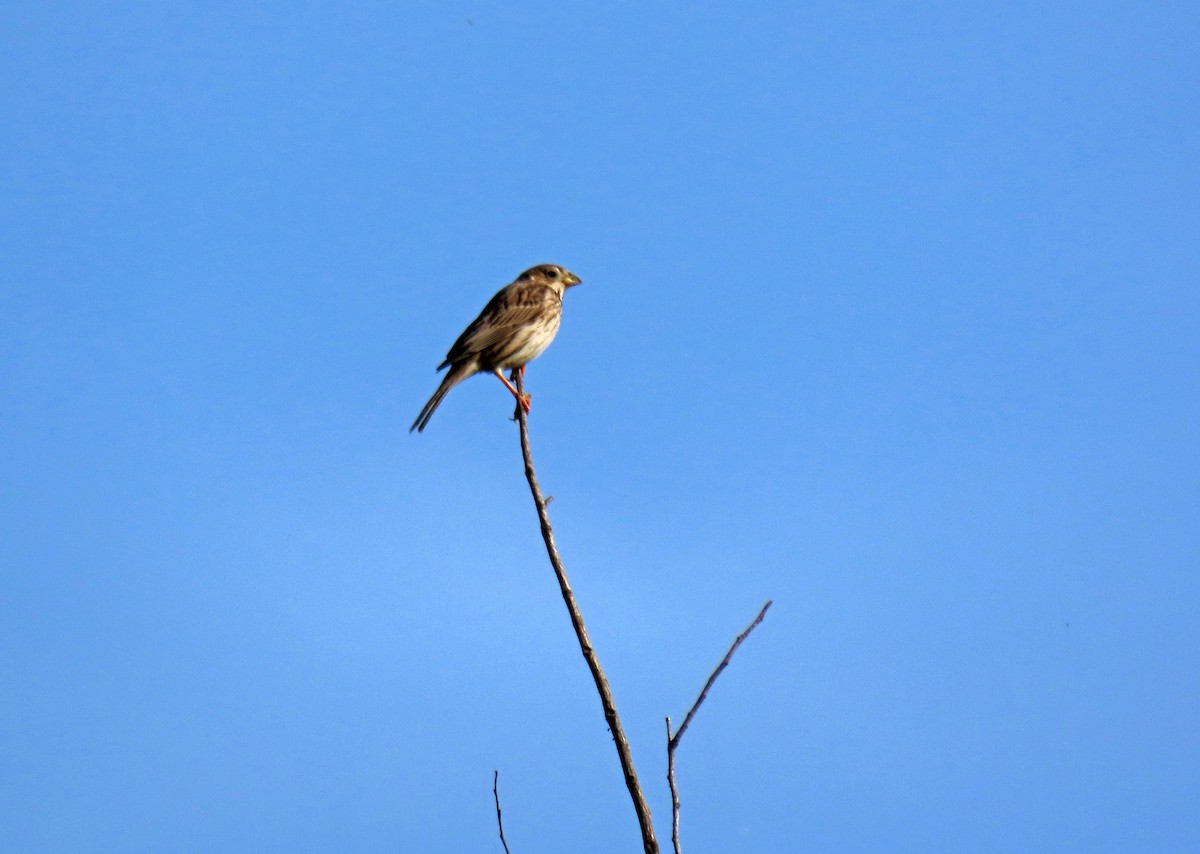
522 399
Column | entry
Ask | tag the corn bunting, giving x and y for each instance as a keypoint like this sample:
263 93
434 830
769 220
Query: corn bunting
513 329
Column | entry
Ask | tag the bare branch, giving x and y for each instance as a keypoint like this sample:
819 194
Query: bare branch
499 821
649 842
673 740
713 678
674 791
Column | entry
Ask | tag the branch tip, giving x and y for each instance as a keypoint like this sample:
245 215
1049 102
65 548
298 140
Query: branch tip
496 795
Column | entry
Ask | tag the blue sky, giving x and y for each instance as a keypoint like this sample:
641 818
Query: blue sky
889 314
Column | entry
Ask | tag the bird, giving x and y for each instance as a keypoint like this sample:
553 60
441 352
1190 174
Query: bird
513 329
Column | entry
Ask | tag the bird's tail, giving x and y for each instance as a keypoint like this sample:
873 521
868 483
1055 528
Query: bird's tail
457 374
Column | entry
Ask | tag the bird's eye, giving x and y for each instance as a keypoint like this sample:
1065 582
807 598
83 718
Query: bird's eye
552 273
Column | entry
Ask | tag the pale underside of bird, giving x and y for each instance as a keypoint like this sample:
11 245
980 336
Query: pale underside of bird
516 325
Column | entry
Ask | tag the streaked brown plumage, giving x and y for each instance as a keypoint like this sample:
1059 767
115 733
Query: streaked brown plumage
513 329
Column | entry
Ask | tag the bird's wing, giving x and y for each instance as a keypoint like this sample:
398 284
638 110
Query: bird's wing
512 307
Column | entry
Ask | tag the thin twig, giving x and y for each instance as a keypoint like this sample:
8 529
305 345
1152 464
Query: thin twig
713 678
649 842
673 740
674 791
499 821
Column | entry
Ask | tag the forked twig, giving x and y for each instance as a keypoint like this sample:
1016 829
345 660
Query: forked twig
499 821
640 806
673 740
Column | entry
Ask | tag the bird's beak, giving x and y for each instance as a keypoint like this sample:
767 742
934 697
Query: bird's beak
571 279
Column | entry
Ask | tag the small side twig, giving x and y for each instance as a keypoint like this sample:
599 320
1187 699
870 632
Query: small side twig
673 740
499 821
624 754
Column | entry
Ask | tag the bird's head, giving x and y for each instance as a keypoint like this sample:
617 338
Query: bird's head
550 274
